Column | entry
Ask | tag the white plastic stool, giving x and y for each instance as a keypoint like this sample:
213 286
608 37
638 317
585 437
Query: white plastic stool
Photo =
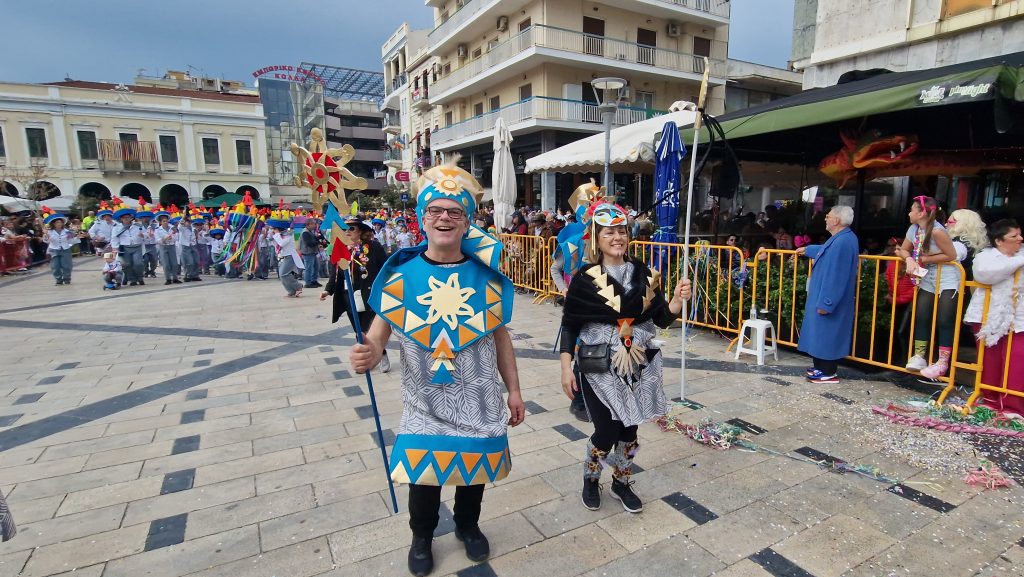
759 330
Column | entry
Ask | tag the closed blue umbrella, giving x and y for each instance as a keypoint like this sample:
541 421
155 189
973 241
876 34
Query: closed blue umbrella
670 153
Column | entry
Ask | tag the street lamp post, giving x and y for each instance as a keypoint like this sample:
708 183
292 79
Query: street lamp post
609 104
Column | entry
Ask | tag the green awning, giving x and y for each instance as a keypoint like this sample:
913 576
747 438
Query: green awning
922 96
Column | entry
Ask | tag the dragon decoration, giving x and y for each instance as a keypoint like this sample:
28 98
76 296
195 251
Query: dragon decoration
878 155
324 173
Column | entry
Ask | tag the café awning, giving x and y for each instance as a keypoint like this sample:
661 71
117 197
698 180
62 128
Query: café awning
969 106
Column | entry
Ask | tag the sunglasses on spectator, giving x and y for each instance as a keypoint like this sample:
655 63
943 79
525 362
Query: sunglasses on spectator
436 211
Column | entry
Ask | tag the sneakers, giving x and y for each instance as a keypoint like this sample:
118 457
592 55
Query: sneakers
421 558
916 363
591 494
817 376
477 547
167 282
580 412
59 283
623 491
385 363
810 371
935 370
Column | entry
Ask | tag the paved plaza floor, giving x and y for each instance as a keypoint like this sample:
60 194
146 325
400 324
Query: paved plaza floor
216 428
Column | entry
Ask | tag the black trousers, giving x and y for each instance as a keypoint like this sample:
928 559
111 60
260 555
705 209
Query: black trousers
825 366
607 431
425 501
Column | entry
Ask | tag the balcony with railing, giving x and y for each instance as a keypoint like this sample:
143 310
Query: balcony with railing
554 112
560 43
420 97
128 156
392 122
393 156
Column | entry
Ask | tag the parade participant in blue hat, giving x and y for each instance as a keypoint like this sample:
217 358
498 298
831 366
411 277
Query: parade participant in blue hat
59 241
166 236
186 239
151 252
127 240
447 303
289 262
100 230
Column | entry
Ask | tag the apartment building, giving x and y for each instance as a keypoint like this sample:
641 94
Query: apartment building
408 119
531 62
144 140
358 123
833 37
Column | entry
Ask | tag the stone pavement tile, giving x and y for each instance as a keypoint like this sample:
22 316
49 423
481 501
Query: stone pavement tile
567 513
503 500
298 439
288 391
195 459
207 403
822 496
506 535
86 551
330 393
111 494
538 462
320 521
892 515
371 539
303 559
327 417
1005 564
337 448
48 532
75 481
676 555
129 454
953 493
568 554
143 424
35 509
742 533
745 486
834 546
20 456
12 563
657 522
308 473
23 473
204 426
745 568
254 407
98 445
772 419
335 489
217 472
190 556
90 571
367 426
249 510
162 506
288 412
248 433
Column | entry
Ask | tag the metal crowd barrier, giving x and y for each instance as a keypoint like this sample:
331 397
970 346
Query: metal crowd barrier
774 286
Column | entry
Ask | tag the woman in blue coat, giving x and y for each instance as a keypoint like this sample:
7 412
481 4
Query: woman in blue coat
827 331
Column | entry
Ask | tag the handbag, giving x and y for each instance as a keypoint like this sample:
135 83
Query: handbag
594 358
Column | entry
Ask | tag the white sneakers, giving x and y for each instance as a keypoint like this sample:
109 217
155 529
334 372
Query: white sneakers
916 363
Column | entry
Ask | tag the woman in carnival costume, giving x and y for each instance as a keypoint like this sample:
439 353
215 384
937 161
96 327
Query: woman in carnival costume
612 307
448 304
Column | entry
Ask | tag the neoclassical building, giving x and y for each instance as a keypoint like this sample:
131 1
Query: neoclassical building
162 144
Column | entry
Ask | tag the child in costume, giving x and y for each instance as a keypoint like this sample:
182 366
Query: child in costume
447 303
111 272
59 241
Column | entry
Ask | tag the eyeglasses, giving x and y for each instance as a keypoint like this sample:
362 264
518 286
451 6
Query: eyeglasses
453 213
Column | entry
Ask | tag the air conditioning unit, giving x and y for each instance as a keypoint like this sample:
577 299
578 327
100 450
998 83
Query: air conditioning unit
463 51
502 23
674 29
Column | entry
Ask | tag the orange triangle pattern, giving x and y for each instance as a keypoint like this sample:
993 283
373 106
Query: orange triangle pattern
492 321
396 316
492 296
444 459
494 459
422 336
415 456
465 335
470 460
396 289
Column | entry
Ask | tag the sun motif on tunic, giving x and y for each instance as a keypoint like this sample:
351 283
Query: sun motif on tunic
447 301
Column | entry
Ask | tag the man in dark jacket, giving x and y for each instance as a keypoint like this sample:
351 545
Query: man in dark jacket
309 247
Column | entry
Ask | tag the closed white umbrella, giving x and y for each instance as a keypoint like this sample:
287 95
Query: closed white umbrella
503 176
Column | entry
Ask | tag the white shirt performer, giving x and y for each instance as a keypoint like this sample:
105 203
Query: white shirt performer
447 303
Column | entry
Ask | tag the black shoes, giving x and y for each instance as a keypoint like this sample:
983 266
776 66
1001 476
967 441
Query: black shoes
133 283
176 281
580 413
624 493
477 547
167 282
591 494
313 285
142 283
58 283
421 558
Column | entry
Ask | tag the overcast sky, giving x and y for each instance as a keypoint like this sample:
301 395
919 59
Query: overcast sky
110 40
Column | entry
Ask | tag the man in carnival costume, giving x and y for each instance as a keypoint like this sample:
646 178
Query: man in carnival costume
448 304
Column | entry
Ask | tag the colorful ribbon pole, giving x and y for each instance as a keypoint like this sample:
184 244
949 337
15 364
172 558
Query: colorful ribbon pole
369 384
